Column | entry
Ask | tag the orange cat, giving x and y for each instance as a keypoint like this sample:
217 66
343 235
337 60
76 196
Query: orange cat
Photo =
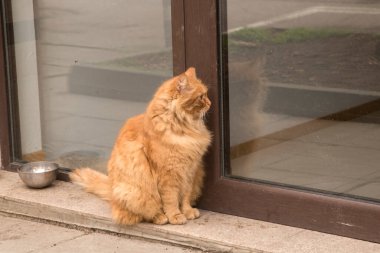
155 172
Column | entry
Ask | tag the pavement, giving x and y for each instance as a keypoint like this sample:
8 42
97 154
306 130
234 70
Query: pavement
27 236
66 204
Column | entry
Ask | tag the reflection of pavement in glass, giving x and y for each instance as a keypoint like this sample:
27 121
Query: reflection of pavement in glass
321 16
285 14
80 130
82 123
341 158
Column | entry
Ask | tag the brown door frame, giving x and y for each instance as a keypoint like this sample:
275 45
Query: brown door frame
10 141
4 120
197 42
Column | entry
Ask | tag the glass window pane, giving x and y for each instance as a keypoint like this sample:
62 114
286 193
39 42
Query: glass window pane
83 68
304 89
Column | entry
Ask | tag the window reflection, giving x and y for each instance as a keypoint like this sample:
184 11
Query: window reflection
304 89
83 68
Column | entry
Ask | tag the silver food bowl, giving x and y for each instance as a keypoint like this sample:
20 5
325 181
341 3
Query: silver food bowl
38 174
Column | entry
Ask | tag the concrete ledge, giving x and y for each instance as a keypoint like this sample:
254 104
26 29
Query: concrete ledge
67 203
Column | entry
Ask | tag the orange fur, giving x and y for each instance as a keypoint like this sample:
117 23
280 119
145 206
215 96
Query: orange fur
155 172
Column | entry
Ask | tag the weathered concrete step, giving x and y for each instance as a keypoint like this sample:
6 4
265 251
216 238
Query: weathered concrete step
67 203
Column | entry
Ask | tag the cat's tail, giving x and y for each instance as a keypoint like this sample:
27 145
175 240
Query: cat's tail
92 181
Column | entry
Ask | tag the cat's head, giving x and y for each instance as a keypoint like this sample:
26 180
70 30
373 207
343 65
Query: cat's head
186 94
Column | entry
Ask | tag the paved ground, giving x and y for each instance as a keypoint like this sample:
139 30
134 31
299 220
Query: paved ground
23 236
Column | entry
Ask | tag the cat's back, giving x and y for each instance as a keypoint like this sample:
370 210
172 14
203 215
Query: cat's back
131 130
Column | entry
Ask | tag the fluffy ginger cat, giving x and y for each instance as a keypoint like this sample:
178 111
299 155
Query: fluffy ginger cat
155 172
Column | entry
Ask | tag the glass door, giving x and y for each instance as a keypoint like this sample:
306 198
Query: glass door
297 140
83 68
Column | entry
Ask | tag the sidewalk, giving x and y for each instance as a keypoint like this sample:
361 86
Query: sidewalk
23 236
65 203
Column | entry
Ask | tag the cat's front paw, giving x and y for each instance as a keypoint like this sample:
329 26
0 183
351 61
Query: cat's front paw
160 219
192 213
177 219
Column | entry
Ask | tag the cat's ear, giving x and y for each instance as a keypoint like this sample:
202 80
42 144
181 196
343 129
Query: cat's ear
182 83
191 72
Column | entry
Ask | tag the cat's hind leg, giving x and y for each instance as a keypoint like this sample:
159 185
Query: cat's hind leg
139 201
135 185
124 216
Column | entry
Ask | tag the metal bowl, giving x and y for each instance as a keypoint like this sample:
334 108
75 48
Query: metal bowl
38 174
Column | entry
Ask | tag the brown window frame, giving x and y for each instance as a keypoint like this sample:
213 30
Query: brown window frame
10 136
197 35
